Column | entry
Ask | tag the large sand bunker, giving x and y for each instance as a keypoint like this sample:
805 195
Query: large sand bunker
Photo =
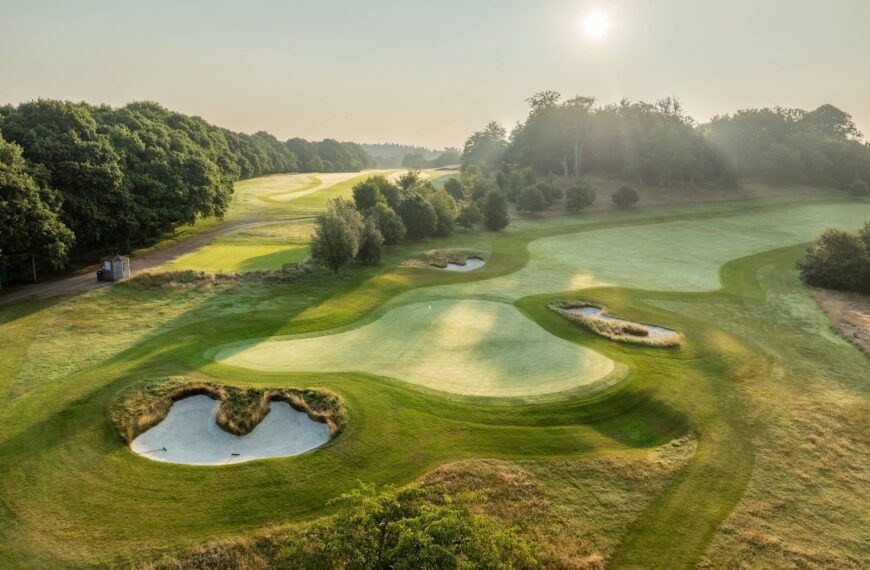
190 435
479 348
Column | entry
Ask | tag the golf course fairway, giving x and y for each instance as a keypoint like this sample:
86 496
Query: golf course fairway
757 375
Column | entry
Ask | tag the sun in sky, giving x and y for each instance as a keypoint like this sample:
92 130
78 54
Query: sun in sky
596 25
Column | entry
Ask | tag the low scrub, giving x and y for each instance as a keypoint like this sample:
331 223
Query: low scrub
619 330
418 526
143 405
204 280
441 257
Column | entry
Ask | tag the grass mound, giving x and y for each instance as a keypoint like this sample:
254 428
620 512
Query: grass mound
441 257
142 406
615 329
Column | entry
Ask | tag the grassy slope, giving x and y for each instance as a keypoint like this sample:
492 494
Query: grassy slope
73 494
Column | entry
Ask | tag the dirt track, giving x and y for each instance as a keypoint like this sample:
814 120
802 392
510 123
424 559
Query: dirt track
86 279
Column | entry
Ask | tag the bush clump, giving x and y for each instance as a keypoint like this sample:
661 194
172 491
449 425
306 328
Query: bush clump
625 197
579 196
838 260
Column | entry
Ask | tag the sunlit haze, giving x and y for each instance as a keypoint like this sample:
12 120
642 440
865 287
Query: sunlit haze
431 72
596 24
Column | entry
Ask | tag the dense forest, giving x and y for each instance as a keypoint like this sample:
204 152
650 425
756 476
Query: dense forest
80 178
659 144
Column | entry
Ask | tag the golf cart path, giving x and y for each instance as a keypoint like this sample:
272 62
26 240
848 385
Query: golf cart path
86 279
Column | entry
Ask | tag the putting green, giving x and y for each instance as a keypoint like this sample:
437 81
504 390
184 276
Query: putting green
477 348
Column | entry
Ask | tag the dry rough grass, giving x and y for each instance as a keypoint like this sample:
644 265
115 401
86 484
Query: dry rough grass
441 257
144 405
621 331
806 505
577 511
190 279
849 314
241 554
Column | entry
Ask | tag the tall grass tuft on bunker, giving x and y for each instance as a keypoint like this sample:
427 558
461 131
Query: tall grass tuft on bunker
143 405
620 330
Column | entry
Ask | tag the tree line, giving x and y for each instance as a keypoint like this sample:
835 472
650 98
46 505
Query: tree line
384 213
659 144
394 155
447 157
78 178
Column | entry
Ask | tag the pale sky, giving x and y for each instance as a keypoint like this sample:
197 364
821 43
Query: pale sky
430 72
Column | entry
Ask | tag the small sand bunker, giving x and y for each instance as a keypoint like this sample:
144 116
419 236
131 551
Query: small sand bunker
470 264
189 434
597 321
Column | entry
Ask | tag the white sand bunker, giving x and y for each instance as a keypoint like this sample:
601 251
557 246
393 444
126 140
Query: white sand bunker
479 348
653 333
470 264
189 434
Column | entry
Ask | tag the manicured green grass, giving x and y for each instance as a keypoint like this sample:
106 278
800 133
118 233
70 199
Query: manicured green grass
479 348
682 255
257 248
73 494
225 258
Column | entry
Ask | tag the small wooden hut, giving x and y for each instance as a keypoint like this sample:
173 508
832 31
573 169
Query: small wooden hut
114 268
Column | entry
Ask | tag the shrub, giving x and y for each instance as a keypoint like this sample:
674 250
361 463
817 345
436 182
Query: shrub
495 212
371 243
445 212
454 187
531 200
390 223
624 197
413 527
837 260
578 197
367 195
469 216
418 216
551 192
336 235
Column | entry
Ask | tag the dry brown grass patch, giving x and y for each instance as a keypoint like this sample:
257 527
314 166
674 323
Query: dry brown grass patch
849 314
577 511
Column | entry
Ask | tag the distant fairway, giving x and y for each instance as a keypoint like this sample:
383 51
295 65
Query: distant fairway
277 197
478 348
215 258
672 256
265 247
